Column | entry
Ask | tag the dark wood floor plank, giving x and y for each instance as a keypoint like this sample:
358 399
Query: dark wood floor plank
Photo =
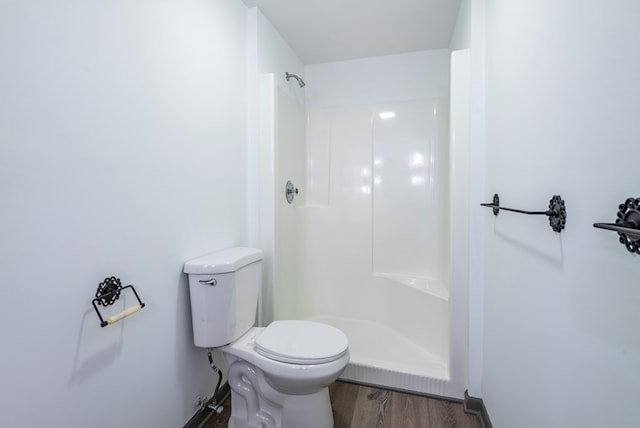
408 411
223 418
465 420
343 403
356 406
440 414
446 414
371 408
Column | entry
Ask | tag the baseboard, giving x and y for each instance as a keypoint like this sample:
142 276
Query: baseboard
200 418
476 406
204 414
223 393
401 390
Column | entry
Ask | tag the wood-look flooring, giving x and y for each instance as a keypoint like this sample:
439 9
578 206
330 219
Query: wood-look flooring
357 406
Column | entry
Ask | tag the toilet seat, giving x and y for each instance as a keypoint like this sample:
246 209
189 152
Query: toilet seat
301 342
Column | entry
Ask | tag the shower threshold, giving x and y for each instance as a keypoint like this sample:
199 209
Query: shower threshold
382 356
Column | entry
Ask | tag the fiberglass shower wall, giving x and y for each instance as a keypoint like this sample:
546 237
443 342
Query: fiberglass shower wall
410 215
372 233
374 229
377 188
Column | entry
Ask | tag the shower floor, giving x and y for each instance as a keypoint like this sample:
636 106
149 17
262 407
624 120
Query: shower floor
380 355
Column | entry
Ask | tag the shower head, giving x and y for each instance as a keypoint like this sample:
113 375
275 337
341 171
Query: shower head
288 76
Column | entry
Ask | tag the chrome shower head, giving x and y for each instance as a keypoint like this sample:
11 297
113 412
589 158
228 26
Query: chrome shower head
288 76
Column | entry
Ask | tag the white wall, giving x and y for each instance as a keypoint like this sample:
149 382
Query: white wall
461 36
122 152
467 138
289 165
276 56
477 173
459 213
402 77
561 317
271 59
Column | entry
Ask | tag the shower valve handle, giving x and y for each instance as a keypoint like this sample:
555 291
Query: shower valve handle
290 191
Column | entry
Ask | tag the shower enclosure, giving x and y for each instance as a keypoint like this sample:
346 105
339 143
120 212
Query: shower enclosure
367 245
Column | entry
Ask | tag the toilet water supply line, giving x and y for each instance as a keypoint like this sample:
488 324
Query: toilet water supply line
211 403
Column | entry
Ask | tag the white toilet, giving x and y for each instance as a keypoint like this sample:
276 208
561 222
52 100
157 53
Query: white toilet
278 374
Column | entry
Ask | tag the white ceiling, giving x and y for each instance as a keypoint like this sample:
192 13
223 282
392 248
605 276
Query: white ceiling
334 30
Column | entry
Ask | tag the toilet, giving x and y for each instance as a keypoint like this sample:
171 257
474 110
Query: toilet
279 374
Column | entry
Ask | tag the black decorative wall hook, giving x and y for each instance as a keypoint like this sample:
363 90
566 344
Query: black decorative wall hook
627 224
557 212
108 292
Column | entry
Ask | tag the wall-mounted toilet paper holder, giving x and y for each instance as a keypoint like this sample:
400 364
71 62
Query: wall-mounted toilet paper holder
108 292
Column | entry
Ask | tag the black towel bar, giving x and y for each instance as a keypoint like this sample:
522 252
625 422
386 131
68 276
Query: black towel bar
557 212
627 224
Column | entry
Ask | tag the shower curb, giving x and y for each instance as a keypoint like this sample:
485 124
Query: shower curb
476 406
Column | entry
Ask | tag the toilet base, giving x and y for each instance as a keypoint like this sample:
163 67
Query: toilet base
255 404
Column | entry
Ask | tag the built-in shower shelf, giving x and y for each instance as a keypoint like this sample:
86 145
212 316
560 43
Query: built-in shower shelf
427 285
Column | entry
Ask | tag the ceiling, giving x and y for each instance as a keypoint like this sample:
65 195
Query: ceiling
334 30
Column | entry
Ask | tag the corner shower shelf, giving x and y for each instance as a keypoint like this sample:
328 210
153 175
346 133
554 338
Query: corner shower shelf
426 285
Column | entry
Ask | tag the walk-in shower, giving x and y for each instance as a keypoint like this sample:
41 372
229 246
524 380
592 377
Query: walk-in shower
367 245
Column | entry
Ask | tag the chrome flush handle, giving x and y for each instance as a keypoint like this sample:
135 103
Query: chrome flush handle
212 282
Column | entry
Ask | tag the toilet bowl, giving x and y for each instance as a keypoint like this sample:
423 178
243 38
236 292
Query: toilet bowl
279 374
289 393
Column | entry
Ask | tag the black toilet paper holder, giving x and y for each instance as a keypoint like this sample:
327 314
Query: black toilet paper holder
107 293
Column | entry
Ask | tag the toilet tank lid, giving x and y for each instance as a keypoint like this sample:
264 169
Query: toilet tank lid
223 261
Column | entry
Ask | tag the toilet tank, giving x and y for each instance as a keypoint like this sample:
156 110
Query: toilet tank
224 288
